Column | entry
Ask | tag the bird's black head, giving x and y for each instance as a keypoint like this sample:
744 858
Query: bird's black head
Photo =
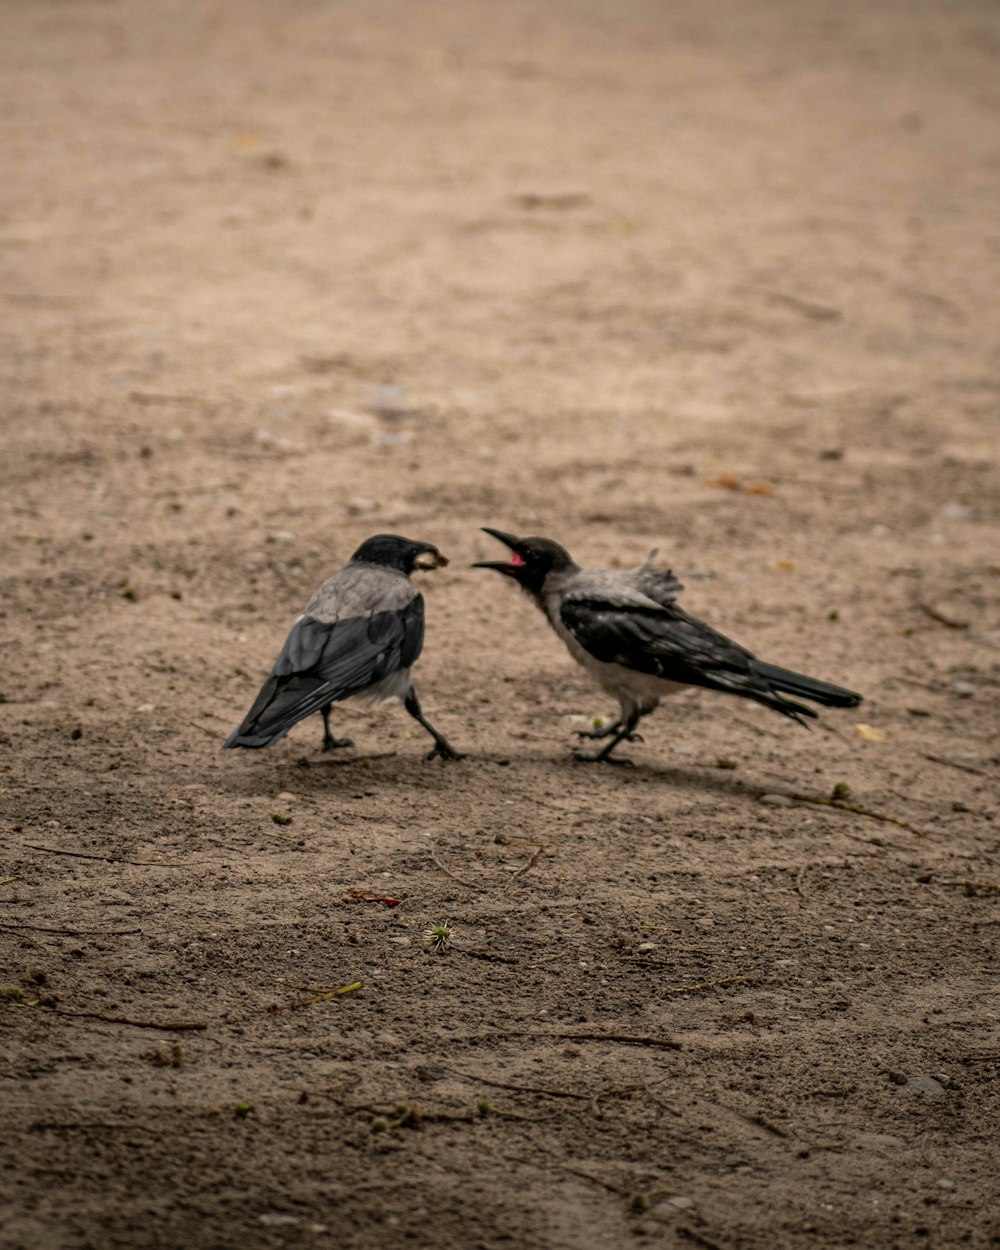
531 560
393 552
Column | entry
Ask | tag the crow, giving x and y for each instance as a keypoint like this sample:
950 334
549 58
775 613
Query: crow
629 633
357 639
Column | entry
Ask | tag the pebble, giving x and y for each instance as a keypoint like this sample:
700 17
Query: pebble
964 689
957 512
923 1085
359 507
944 1183
667 1208
645 947
776 800
286 796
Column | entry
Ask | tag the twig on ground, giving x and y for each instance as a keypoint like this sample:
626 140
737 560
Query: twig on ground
942 618
171 1026
964 768
970 883
746 978
610 1186
40 928
8 880
530 864
842 805
492 957
475 1079
448 872
322 996
623 1039
118 859
697 1238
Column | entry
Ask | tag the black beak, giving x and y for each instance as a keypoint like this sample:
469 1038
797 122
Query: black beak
501 566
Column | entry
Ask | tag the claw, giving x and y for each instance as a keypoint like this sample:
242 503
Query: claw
334 744
602 757
444 751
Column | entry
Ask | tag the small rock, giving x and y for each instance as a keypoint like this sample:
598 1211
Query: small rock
944 1183
286 796
667 1208
392 440
957 512
776 800
360 507
925 1085
277 1219
390 402
645 947
964 689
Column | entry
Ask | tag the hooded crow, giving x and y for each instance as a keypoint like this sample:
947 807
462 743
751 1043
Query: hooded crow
628 632
357 639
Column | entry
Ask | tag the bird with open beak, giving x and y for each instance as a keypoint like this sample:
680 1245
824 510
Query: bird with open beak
629 633
358 638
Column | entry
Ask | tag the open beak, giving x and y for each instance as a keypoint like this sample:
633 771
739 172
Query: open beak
502 566
432 559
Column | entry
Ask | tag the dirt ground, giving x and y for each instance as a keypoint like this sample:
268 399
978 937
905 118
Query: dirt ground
718 279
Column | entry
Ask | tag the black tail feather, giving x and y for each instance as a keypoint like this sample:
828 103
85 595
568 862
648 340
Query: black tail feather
822 692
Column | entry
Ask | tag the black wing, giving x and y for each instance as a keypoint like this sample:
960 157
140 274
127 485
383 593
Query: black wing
671 645
325 661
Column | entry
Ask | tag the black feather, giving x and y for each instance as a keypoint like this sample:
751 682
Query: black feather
676 647
806 687
327 661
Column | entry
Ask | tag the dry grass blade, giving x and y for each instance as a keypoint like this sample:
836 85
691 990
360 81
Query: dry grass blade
842 805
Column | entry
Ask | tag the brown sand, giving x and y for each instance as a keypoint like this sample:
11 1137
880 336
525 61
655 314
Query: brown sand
279 276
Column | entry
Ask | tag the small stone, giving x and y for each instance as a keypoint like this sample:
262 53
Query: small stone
944 1183
925 1085
645 947
776 800
361 507
286 796
964 689
957 512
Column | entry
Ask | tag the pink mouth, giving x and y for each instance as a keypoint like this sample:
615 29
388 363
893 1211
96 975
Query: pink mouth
516 561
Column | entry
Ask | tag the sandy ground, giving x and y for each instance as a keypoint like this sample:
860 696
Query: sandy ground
275 277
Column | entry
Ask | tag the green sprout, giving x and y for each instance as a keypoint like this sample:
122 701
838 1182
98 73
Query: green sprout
438 936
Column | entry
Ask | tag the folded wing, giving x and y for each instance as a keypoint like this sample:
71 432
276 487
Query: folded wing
327 661
669 644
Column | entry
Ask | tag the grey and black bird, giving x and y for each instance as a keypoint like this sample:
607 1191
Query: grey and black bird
358 638
628 631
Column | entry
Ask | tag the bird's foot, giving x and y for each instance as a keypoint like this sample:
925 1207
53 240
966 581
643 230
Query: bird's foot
601 757
610 729
444 751
334 744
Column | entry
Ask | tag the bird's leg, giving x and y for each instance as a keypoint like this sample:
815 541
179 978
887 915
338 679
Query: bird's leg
604 732
330 743
442 747
624 732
